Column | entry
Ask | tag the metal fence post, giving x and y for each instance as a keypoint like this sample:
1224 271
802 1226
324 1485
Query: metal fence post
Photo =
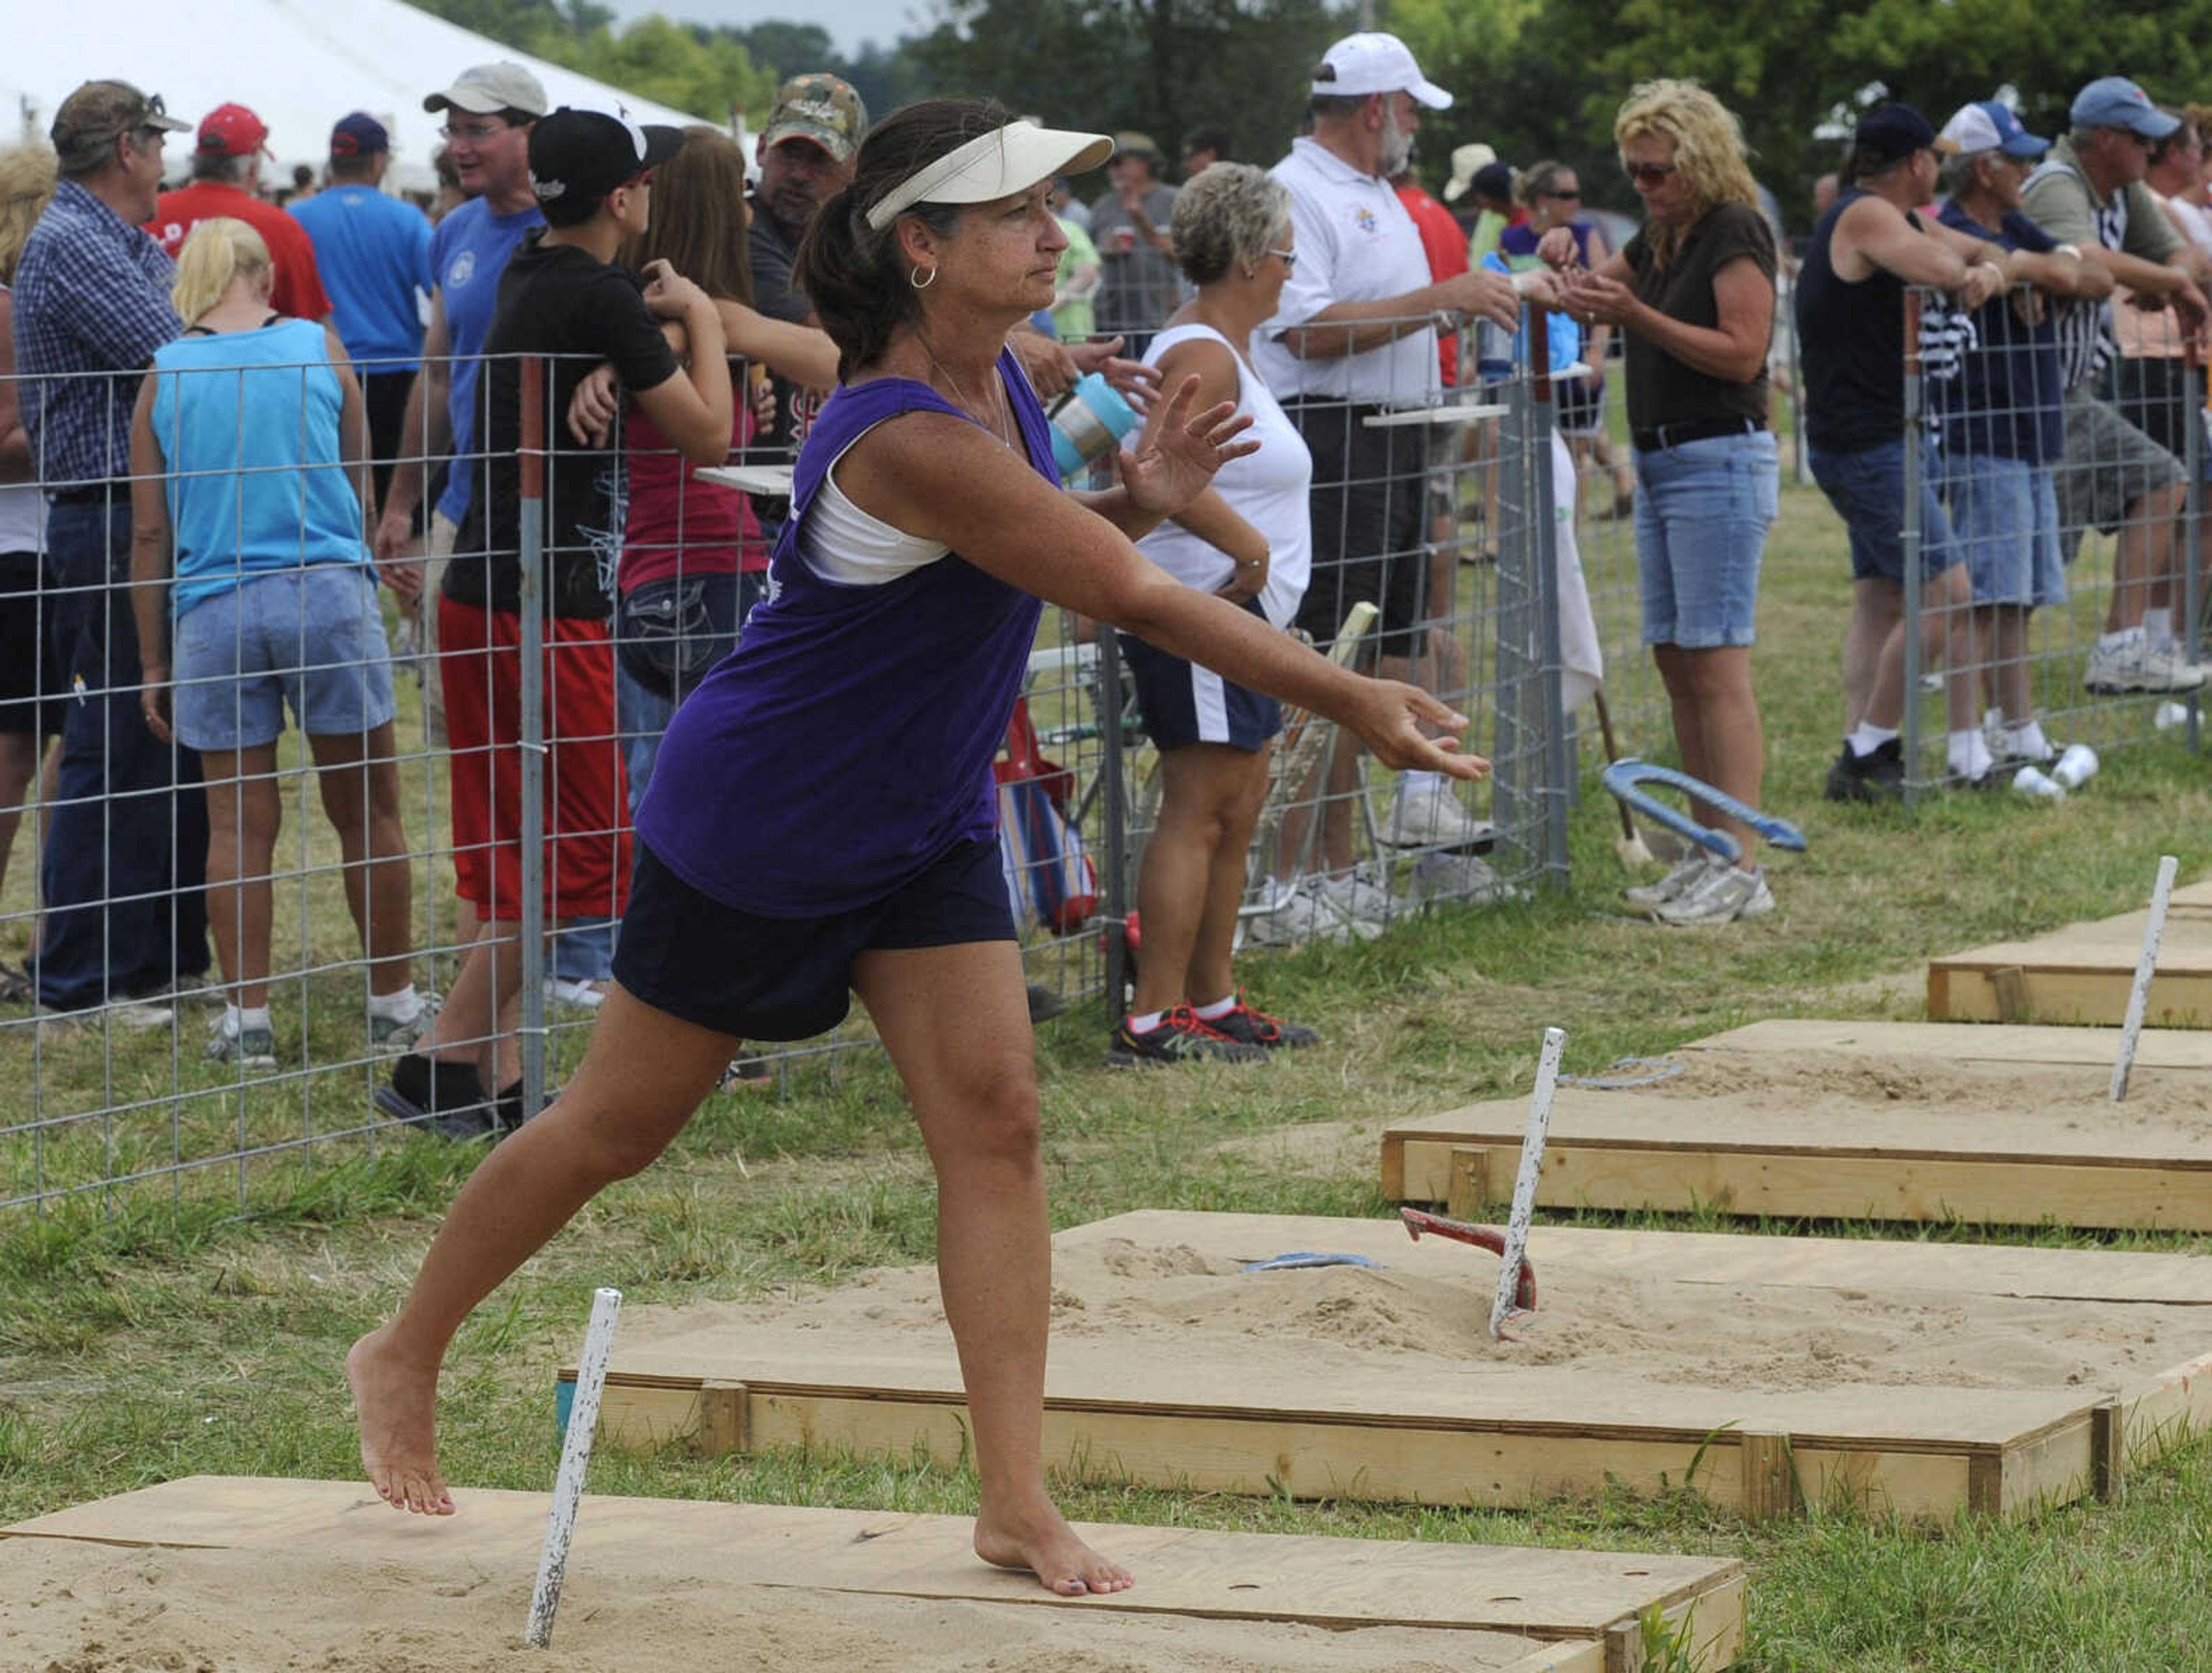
1913 535
533 683
1509 784
2192 578
1117 820
1559 775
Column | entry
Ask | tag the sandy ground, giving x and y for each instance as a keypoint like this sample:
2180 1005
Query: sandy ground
68 1607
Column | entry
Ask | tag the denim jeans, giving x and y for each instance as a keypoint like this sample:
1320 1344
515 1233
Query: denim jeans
125 867
667 635
1702 512
1868 491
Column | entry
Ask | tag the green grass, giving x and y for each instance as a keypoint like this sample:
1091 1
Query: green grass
182 1333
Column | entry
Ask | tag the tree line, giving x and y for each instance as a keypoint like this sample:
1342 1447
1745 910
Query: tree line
1533 79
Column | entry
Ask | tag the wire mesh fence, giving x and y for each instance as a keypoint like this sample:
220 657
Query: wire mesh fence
344 821
2052 525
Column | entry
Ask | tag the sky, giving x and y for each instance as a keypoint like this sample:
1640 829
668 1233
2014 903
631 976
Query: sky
849 21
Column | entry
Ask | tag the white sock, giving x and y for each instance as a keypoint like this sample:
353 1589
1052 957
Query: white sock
1969 753
404 1006
1866 738
1992 718
1215 1011
1146 1023
2158 627
236 1020
2027 739
1417 781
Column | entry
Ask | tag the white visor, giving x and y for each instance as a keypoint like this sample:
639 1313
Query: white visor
992 166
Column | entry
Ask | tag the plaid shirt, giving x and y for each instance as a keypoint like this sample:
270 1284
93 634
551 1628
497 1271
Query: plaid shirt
92 296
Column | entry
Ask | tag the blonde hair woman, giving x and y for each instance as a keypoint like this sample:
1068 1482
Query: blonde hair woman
247 455
34 676
1693 292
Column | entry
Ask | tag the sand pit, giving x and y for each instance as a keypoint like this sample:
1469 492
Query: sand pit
245 1576
2081 972
1926 1378
1837 1125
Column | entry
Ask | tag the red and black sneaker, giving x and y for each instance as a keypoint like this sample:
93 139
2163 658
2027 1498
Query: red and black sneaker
1256 1028
1178 1037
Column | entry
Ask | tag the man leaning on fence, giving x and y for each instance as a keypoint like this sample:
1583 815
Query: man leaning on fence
2090 194
125 856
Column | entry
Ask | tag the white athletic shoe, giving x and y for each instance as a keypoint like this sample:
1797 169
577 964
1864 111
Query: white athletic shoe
1649 896
1460 878
576 995
1432 818
2133 666
1364 896
1301 913
1721 895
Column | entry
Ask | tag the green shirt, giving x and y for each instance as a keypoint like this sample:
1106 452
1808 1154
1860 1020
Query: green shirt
2060 199
1076 320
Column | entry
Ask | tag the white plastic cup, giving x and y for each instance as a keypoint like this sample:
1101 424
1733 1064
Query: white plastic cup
2076 767
2169 715
2034 781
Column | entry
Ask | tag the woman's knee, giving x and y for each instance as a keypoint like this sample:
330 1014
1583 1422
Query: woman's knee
997 1117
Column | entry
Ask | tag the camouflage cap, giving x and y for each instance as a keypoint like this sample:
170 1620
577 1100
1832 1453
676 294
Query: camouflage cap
821 108
97 111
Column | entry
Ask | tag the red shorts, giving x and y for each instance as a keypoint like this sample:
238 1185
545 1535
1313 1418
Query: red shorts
587 831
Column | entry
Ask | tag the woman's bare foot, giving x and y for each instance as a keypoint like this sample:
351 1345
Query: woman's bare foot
395 1405
1037 1538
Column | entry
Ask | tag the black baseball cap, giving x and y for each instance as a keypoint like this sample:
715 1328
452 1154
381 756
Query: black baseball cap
580 156
1891 133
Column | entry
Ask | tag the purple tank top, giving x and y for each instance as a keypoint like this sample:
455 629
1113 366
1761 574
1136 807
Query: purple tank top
846 745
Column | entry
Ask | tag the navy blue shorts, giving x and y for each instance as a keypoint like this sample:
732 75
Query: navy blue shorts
756 978
1187 703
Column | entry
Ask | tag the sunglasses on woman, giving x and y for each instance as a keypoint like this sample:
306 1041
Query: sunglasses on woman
1649 173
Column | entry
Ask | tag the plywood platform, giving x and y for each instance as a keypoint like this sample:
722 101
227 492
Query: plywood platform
1344 1382
1906 1121
269 1569
2081 973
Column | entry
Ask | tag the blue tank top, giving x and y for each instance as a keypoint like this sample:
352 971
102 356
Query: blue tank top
248 427
846 745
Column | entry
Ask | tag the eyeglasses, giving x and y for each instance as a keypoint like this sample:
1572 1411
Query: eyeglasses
1569 197
472 131
1288 257
1647 173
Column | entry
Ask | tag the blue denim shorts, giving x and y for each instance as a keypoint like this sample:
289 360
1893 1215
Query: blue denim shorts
1702 512
312 637
1868 491
2005 513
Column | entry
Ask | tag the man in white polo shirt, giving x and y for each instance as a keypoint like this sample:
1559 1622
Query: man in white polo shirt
1355 333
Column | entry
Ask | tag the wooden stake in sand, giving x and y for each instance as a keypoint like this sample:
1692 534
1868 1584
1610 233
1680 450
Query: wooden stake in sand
2139 996
575 1457
1502 1309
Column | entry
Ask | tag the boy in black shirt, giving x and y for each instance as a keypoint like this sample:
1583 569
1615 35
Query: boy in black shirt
561 296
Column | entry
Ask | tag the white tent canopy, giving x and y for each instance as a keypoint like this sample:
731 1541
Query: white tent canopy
298 64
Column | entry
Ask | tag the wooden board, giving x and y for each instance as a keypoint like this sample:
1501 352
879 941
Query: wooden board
2009 1045
2081 973
1502 1607
1757 1152
1513 1436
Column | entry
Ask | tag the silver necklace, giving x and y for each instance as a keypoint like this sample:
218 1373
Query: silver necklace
997 423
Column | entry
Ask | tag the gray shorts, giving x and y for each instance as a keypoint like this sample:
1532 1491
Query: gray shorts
2109 465
311 637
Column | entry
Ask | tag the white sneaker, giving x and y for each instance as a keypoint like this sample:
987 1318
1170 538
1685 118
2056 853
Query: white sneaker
1721 895
1432 818
2133 666
1459 877
576 995
124 1012
1648 896
1363 897
1301 913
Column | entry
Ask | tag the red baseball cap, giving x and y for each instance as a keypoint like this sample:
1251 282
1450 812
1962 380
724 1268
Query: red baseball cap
232 131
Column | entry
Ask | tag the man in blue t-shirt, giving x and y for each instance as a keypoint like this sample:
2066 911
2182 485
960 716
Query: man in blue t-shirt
373 251
2002 419
489 110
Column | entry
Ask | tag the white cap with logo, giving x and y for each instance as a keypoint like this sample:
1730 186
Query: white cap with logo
1375 63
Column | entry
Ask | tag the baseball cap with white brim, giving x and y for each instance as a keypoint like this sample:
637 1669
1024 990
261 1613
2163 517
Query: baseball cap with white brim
1467 159
1987 125
993 165
1375 62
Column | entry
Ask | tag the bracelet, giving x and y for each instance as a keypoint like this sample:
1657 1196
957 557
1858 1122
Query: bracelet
1249 562
2073 250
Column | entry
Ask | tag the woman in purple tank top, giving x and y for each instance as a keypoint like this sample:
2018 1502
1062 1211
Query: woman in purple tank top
820 821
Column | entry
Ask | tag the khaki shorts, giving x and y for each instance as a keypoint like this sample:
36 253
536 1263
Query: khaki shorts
2109 465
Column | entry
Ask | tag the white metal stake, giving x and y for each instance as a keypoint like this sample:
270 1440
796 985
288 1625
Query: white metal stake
1502 1310
2139 996
575 1457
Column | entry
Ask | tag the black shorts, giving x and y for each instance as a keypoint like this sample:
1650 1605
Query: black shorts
34 674
754 978
1186 702
384 397
1370 504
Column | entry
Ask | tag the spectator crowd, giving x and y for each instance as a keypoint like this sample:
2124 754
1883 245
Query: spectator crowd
245 424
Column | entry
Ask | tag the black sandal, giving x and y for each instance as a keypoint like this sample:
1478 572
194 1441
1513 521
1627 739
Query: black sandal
16 987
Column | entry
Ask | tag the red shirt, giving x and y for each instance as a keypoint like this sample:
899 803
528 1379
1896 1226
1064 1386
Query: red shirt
299 291
673 521
1446 246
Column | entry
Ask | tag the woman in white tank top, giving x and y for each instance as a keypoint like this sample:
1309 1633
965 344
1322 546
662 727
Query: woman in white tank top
1247 541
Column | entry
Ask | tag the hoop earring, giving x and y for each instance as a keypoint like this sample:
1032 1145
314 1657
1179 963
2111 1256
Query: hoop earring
914 277
1251 273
